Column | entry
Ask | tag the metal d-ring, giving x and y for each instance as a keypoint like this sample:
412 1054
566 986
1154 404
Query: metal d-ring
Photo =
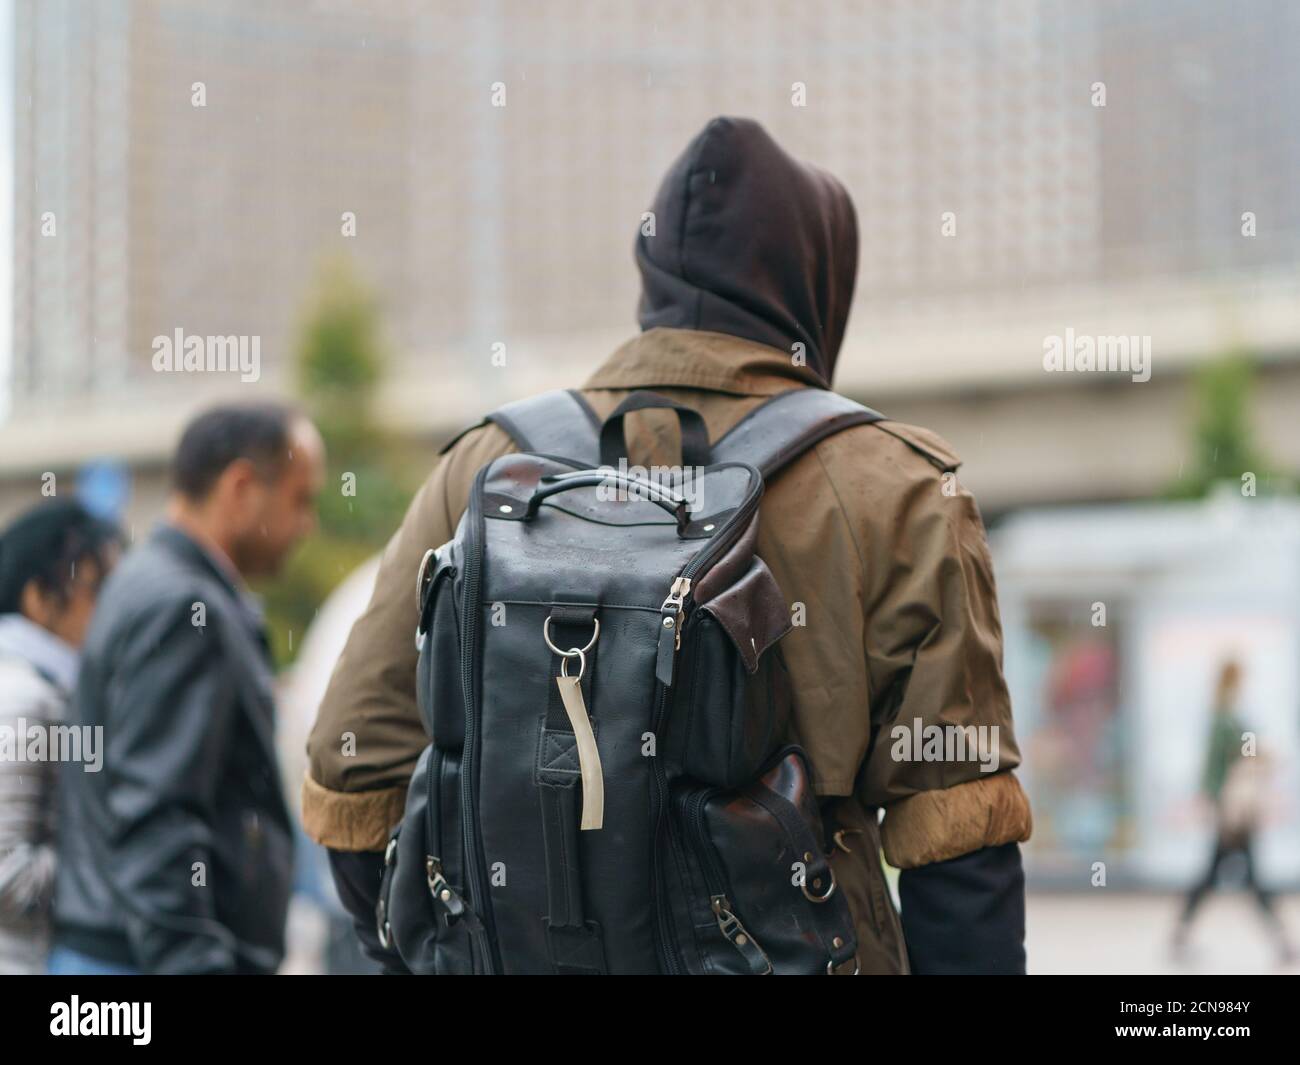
572 652
819 898
582 662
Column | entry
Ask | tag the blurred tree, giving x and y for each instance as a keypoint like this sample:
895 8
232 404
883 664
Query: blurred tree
1223 448
340 361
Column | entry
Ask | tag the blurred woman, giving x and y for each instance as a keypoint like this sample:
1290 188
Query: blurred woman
1237 785
52 561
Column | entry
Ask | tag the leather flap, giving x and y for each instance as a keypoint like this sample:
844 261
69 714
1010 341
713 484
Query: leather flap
752 612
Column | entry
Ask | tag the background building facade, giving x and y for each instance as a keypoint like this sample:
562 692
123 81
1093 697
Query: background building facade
999 203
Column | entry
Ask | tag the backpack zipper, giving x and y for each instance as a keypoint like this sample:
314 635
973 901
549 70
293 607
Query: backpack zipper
470 615
668 956
730 532
670 641
439 887
716 879
674 606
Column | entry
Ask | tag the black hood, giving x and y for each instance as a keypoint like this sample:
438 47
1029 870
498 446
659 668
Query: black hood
750 242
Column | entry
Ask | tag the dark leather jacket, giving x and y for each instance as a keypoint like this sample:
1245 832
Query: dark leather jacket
177 856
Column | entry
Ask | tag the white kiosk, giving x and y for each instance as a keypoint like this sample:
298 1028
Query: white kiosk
1117 621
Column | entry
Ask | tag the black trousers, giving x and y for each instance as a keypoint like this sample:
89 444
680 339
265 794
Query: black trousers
1226 847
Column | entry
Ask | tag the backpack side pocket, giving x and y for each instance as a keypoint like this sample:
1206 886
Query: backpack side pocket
770 889
732 698
428 917
438 688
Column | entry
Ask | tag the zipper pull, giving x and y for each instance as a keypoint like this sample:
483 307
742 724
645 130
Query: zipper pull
670 630
729 923
441 890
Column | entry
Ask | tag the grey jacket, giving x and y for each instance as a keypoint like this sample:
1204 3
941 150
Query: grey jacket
178 856
36 672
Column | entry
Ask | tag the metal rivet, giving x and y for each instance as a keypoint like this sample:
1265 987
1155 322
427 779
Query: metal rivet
741 941
807 856
838 942
710 527
668 623
445 896
505 508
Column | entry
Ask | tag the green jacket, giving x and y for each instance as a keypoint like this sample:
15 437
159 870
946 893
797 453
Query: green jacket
1224 749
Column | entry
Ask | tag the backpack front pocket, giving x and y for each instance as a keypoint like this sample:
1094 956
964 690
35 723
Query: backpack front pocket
758 892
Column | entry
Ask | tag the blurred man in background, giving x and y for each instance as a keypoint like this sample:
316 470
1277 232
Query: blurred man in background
53 561
177 857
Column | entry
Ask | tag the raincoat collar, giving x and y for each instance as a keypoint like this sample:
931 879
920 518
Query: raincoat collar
691 358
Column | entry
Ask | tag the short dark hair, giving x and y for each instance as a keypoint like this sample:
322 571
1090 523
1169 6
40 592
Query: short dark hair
258 432
45 544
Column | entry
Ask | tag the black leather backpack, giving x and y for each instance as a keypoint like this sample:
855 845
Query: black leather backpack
607 789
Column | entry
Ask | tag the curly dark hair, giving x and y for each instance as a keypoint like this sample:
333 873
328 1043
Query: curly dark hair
45 544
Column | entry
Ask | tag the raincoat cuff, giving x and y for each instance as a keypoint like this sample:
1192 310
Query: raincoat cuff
350 820
934 826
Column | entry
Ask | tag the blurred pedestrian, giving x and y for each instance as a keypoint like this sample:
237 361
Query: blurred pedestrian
1235 784
53 559
178 856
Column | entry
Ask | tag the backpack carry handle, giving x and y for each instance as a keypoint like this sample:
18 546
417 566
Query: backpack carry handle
669 500
695 437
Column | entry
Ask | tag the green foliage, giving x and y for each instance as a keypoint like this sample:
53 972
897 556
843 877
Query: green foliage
1223 448
340 361
340 357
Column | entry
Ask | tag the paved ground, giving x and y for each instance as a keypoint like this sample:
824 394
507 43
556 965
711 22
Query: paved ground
1128 933
1100 932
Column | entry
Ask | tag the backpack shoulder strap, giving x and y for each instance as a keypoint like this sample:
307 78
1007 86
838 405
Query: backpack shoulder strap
777 432
770 436
559 423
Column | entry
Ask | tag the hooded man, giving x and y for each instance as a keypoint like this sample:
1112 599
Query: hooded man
746 288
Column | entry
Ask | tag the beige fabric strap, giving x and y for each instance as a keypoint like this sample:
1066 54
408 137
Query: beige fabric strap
593 780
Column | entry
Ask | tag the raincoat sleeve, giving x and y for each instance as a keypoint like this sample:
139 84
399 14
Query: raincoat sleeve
944 748
368 734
